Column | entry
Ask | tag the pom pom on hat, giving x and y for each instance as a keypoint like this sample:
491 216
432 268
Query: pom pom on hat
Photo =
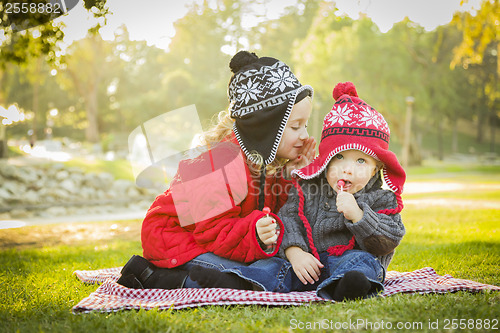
241 59
344 88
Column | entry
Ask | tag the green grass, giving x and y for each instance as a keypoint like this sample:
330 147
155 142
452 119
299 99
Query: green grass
479 195
14 151
38 288
436 170
462 242
120 169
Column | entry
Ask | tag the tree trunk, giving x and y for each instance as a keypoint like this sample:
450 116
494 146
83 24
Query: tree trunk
480 124
3 141
493 121
415 156
454 137
92 130
317 123
407 141
90 92
34 107
493 129
440 139
3 128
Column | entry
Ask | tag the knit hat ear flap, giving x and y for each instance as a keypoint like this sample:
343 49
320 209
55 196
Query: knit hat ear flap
396 210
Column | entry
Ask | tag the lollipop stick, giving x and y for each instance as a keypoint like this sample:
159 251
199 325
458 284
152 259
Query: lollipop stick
341 184
271 247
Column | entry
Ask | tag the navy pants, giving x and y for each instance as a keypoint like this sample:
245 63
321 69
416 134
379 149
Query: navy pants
208 260
277 275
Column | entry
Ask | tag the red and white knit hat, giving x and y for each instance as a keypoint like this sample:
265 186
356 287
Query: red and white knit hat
353 124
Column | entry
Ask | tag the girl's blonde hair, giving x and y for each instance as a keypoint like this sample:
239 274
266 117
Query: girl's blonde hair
223 129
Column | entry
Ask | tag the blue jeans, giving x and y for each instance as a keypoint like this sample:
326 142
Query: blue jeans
208 260
277 275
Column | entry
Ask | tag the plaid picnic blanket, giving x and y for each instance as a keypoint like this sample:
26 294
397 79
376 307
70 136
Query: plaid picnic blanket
110 296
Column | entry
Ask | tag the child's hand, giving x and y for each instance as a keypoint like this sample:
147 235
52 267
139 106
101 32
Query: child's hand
266 230
305 265
347 205
305 157
308 151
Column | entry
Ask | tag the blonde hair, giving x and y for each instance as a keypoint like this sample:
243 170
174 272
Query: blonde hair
222 130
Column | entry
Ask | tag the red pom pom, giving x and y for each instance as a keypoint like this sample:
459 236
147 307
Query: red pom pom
344 88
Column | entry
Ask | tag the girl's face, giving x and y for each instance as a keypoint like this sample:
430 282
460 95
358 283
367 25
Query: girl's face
354 167
295 132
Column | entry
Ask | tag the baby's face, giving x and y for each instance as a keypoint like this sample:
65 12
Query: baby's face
354 167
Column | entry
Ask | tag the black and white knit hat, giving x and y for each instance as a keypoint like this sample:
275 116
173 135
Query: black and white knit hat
262 93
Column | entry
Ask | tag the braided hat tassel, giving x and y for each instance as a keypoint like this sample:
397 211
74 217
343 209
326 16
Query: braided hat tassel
304 219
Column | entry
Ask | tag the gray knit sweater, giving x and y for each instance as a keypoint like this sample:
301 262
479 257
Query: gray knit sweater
376 233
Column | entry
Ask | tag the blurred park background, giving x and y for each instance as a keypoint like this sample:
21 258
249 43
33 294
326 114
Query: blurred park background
74 88
73 98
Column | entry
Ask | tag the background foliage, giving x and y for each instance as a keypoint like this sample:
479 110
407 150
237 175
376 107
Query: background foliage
104 89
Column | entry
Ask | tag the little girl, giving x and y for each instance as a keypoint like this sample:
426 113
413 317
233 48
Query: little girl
211 215
341 227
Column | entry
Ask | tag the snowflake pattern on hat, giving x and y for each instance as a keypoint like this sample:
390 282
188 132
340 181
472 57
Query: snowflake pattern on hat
282 79
257 89
248 91
339 118
375 119
347 114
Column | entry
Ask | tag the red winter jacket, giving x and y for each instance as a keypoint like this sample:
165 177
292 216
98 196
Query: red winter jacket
211 206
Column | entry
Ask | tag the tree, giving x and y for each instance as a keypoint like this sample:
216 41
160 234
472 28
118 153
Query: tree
196 54
39 41
87 68
140 88
481 44
478 33
441 94
279 37
483 82
386 68
317 59
31 33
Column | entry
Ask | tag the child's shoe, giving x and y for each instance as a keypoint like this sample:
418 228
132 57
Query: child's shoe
139 273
